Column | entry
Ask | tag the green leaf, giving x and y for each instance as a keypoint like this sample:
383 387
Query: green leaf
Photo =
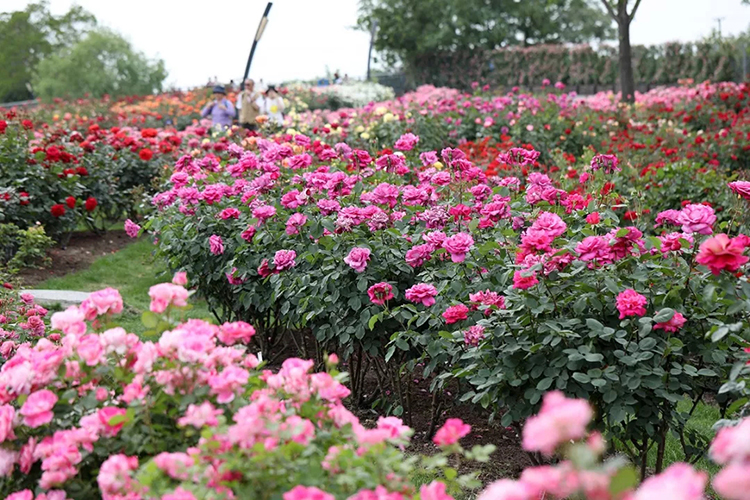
623 480
719 333
581 377
149 319
450 473
545 383
664 315
373 320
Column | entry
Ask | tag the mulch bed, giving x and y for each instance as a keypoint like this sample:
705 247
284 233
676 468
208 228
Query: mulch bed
80 252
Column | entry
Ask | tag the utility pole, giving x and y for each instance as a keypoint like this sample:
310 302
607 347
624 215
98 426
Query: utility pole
718 20
258 34
373 29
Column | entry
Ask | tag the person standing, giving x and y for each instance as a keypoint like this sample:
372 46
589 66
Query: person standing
273 106
247 105
220 108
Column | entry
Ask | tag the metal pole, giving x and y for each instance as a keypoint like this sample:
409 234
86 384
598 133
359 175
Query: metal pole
258 34
372 42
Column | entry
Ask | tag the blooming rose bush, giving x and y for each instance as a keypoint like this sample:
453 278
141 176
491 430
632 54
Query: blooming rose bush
418 263
93 411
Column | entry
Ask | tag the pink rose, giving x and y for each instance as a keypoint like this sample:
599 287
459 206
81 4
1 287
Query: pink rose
456 313
164 295
733 481
741 188
107 301
559 420
69 321
284 259
37 409
357 258
453 430
458 246
307 493
180 278
679 482
422 293
697 218
721 252
131 228
630 303
238 331
379 293
216 244
7 414
674 323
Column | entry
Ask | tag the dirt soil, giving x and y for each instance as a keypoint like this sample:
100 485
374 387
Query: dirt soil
508 460
80 252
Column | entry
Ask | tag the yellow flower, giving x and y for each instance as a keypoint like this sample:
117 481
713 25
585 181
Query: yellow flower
291 132
380 110
359 129
438 165
274 108
388 117
364 135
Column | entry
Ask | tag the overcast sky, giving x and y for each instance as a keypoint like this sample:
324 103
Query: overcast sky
199 39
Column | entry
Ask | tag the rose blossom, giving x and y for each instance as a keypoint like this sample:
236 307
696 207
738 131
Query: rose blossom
422 293
307 493
741 188
37 409
458 246
357 258
107 301
131 228
697 218
678 482
165 294
456 313
379 293
733 481
453 430
630 303
722 252
180 278
216 244
284 259
474 335
559 420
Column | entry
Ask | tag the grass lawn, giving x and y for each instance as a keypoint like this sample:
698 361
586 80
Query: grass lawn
132 270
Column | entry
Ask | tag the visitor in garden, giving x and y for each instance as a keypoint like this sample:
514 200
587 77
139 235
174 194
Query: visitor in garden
272 105
220 109
247 105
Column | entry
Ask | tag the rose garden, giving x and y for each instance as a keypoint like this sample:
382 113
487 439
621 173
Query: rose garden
482 293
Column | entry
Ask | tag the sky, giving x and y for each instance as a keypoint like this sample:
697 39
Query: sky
199 39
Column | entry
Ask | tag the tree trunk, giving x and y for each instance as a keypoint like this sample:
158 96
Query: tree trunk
627 84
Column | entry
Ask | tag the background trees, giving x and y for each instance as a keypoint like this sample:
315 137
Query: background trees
411 30
102 63
39 48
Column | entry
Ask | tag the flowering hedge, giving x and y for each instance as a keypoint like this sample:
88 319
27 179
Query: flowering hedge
91 411
419 264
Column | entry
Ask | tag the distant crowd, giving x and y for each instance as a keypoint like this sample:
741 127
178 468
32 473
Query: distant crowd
250 103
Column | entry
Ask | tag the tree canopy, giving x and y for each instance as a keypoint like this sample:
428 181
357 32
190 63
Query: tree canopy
101 63
28 36
410 29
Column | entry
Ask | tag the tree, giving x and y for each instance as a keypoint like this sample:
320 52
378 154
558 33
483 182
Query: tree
27 36
618 10
411 29
102 63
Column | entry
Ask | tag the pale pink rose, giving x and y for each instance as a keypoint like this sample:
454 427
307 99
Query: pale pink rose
732 444
165 294
678 482
506 489
69 321
7 461
37 409
733 481
201 415
7 414
180 278
307 493
395 426
559 420
107 301
179 494
357 258
239 331
434 491
114 477
90 349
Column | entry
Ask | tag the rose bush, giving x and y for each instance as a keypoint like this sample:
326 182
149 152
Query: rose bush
531 282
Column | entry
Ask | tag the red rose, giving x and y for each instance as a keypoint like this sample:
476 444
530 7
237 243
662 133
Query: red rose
82 171
148 132
71 202
3 126
146 154
58 210
8 286
24 197
91 203
27 124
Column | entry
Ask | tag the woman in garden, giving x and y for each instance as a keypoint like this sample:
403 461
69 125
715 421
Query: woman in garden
272 105
220 109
